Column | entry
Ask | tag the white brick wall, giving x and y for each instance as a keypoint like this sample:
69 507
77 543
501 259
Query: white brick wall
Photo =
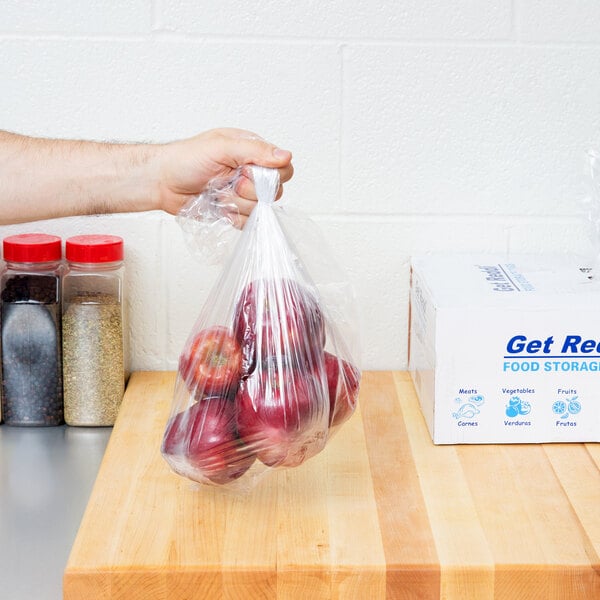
415 126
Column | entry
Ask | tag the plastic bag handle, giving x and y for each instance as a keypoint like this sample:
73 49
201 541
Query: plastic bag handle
266 183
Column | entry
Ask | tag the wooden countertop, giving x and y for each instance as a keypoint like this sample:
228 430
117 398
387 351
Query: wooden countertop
380 513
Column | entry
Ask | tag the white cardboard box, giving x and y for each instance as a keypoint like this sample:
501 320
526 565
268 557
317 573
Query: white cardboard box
506 349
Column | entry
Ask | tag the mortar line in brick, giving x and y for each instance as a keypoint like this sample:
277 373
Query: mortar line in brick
509 220
514 22
172 36
156 15
83 37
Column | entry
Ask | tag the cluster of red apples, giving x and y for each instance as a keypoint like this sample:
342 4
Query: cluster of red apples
264 388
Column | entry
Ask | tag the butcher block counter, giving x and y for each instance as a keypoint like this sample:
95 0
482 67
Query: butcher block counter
380 513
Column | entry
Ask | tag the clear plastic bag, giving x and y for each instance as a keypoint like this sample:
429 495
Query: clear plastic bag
270 370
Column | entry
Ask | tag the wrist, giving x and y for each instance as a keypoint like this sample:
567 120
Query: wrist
136 178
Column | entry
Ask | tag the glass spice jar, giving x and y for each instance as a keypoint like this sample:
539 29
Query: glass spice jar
93 333
31 330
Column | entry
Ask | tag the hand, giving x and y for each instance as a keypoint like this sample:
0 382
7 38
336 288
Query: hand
46 179
187 166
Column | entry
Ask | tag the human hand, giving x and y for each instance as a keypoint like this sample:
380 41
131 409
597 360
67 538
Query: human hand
186 167
46 178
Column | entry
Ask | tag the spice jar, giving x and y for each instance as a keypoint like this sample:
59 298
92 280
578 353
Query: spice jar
92 324
30 330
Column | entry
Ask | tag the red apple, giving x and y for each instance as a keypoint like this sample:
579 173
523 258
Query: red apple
279 318
211 363
205 436
343 391
282 415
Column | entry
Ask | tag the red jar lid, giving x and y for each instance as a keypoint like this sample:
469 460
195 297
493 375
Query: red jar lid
32 247
94 248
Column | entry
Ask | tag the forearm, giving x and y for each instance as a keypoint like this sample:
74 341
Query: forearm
43 179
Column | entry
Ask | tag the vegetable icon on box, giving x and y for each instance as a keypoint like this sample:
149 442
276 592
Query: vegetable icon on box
517 407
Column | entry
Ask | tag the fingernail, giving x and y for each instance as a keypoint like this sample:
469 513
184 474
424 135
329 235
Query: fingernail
279 153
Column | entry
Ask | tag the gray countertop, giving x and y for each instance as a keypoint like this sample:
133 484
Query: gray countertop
46 476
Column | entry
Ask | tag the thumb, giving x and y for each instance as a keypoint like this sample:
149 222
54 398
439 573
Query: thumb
259 152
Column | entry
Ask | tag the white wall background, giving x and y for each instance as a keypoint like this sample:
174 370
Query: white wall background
416 126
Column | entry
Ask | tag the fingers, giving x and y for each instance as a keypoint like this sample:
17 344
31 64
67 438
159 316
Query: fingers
238 214
246 150
233 148
285 173
219 153
237 220
244 205
245 188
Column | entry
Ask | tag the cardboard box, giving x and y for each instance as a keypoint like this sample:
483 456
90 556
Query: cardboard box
506 349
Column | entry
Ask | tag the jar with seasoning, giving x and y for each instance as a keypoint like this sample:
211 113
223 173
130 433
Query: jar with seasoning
93 333
31 330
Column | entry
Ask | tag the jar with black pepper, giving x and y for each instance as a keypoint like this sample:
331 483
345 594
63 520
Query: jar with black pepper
93 332
31 330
